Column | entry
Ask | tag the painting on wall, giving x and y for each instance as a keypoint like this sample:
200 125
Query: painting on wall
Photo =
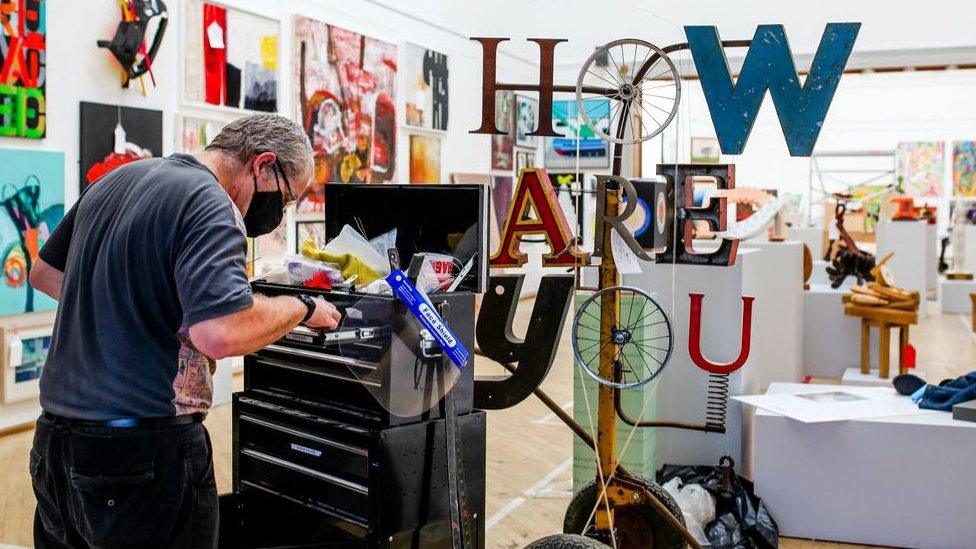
524 159
964 168
579 139
704 150
921 165
501 198
26 345
103 148
503 146
526 121
427 88
425 159
347 96
231 57
314 230
196 133
31 205
23 70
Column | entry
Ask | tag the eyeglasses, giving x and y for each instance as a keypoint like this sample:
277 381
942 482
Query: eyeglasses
291 198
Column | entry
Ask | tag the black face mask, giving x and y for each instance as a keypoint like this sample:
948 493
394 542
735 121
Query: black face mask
265 211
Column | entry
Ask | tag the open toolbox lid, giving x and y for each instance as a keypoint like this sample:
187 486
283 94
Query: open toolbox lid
447 219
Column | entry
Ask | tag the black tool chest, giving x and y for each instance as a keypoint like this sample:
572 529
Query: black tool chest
343 443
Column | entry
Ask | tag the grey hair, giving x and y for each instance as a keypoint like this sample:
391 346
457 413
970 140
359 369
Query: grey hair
252 135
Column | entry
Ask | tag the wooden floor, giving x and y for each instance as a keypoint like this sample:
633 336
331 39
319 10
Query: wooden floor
529 451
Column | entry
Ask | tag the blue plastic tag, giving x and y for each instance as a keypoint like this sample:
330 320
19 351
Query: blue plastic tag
424 310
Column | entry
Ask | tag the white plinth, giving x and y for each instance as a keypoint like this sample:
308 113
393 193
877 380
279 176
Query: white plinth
970 247
223 379
902 481
811 236
909 241
931 259
831 339
853 376
954 296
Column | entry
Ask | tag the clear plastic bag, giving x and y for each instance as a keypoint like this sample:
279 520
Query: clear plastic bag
302 269
697 505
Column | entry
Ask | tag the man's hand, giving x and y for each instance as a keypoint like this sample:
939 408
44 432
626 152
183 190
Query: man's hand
326 316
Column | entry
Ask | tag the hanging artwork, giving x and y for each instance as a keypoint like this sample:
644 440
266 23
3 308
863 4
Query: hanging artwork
526 121
346 85
103 147
231 57
524 159
425 159
501 197
921 165
196 133
23 71
503 146
427 89
31 205
704 150
314 230
964 168
131 46
578 139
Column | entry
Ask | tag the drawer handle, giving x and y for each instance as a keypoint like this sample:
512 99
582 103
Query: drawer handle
300 434
313 371
320 356
261 456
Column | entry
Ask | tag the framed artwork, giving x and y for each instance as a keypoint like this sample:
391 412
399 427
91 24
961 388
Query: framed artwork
503 146
231 57
347 99
501 197
23 69
97 153
526 121
705 150
459 178
426 89
31 206
310 229
425 159
524 159
964 168
579 139
195 133
921 165
26 343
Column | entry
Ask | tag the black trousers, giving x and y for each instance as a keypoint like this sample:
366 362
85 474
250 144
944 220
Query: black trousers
123 486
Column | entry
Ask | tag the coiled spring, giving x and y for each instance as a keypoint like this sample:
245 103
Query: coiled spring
717 402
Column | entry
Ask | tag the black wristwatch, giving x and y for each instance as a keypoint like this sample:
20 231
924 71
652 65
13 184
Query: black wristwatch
307 301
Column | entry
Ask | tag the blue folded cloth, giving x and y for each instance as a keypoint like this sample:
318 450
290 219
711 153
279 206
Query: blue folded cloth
944 397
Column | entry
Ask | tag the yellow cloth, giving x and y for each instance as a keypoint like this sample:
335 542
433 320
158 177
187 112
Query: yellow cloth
349 264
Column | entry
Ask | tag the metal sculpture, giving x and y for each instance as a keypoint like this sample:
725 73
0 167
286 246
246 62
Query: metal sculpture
128 46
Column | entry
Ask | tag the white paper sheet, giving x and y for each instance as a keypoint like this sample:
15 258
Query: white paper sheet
835 404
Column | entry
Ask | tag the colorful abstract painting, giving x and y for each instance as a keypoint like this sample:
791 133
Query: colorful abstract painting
23 71
964 168
196 133
31 205
425 159
921 165
578 139
526 121
231 57
503 146
427 88
347 95
704 150
143 138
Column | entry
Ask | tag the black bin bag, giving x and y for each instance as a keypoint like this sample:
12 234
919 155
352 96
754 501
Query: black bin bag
741 518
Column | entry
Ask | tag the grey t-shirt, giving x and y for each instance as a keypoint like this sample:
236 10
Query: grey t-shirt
150 249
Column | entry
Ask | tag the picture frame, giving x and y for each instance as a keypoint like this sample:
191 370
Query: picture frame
309 229
25 341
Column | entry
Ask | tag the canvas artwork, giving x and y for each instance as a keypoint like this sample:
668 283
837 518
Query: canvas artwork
347 96
526 121
310 229
964 168
425 159
31 205
196 133
501 197
231 57
143 138
503 146
427 88
921 164
23 70
524 159
705 150
579 138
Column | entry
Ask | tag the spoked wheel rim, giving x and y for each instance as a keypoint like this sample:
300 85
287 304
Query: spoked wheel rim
639 87
640 337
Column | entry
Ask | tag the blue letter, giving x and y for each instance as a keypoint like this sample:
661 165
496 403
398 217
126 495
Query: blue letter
769 65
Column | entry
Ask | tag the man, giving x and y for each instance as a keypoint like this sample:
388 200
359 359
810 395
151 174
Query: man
149 269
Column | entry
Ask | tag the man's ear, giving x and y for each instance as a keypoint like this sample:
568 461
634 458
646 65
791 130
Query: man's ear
263 162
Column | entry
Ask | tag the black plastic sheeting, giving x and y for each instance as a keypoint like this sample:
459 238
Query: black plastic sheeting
741 518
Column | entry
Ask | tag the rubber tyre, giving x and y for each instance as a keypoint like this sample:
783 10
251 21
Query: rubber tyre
583 502
566 541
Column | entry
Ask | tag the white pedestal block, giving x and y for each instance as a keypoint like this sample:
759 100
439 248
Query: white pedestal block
909 241
954 296
831 339
931 259
811 236
853 376
900 481
970 247
223 379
